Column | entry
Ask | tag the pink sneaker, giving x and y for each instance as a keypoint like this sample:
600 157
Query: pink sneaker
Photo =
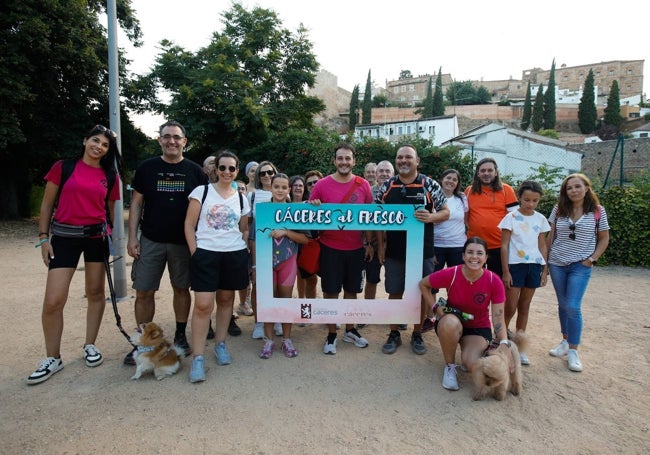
267 350
288 349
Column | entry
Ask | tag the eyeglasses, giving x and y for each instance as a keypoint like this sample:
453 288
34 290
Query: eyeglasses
242 189
269 172
169 137
223 168
103 129
312 182
572 234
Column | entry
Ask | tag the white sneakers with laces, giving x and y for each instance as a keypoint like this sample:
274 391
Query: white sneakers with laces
450 377
45 370
560 350
574 361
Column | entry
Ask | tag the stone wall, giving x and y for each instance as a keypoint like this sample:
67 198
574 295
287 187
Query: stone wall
598 155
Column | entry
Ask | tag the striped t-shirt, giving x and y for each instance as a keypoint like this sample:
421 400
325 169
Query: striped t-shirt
567 248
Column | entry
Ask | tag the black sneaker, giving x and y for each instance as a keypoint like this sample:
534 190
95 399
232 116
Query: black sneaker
417 343
210 332
393 342
181 342
129 360
233 328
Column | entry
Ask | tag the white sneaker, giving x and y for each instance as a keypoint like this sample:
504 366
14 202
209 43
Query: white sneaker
47 368
329 348
574 361
92 355
277 327
524 358
560 350
352 336
258 331
450 378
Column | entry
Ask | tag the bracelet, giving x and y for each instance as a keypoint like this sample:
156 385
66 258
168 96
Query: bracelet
42 241
506 342
43 233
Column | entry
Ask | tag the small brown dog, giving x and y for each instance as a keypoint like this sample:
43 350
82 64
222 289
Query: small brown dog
492 374
155 353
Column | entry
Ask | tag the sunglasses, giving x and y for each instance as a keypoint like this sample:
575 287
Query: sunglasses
312 182
223 168
269 172
242 189
169 137
572 234
103 129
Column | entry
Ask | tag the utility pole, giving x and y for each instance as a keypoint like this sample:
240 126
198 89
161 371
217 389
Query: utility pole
119 259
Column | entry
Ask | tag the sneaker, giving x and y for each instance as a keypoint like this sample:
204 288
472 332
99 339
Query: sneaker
46 369
574 361
267 349
277 328
245 309
288 349
417 344
403 327
258 331
393 342
223 356
329 348
524 358
129 360
560 350
181 342
449 378
93 357
233 328
197 373
352 336
210 332
427 325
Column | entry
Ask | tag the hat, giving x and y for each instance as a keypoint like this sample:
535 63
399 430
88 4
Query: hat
250 165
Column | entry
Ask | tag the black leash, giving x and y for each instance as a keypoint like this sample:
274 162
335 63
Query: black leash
118 319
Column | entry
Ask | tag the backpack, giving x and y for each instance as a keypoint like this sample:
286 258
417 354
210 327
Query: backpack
67 168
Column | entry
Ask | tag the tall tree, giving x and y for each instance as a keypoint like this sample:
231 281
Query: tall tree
538 109
528 110
461 93
353 116
427 112
587 113
405 74
366 111
438 97
613 109
249 80
549 101
54 73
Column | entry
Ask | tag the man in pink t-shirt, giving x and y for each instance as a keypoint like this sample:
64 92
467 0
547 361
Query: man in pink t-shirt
343 252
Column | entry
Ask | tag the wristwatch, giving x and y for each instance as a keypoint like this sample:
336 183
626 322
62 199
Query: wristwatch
591 259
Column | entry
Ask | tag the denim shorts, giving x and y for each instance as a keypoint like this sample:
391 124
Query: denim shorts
526 275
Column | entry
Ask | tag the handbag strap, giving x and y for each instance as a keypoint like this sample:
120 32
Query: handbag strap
357 182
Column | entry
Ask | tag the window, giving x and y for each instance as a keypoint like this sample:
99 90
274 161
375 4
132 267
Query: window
408 129
400 130
565 78
611 72
415 97
396 90
629 71
432 130
411 88
403 88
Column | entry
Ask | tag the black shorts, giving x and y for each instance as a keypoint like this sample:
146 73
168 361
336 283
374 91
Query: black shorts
67 251
214 270
484 332
341 268
373 270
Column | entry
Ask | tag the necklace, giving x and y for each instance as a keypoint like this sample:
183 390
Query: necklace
469 280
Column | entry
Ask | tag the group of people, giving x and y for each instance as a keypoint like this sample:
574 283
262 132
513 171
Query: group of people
487 246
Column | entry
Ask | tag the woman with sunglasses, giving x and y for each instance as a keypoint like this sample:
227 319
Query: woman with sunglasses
86 202
215 230
306 282
579 236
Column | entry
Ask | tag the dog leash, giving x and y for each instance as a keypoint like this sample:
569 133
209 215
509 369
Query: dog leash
118 318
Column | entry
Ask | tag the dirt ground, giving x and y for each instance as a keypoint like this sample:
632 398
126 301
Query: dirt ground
359 401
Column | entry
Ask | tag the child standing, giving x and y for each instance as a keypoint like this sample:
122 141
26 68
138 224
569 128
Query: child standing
523 248
285 268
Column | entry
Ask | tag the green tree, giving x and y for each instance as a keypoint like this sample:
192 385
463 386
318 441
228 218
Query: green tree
461 93
427 112
538 109
366 108
528 110
587 113
54 73
482 95
405 74
549 101
248 81
353 116
379 101
613 109
438 97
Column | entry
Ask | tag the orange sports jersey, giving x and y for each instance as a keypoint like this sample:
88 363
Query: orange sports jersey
486 210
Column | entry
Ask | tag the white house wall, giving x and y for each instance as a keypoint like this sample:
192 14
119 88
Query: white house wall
443 130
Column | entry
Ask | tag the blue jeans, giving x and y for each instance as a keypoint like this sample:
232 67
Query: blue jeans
570 283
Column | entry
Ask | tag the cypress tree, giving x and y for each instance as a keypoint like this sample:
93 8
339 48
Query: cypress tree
366 111
549 101
354 106
587 113
438 101
538 109
427 112
528 110
613 110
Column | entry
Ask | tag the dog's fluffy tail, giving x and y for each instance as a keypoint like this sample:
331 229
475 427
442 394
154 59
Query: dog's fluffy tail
180 352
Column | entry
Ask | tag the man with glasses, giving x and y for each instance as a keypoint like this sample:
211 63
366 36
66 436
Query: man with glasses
161 186
424 193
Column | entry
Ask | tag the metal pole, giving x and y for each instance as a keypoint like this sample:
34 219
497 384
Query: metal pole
119 264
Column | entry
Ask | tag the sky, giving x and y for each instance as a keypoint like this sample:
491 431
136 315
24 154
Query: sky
469 40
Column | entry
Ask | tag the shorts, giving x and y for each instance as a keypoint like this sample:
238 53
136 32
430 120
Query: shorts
148 269
219 270
494 261
526 275
395 271
373 270
284 274
484 332
67 251
341 268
